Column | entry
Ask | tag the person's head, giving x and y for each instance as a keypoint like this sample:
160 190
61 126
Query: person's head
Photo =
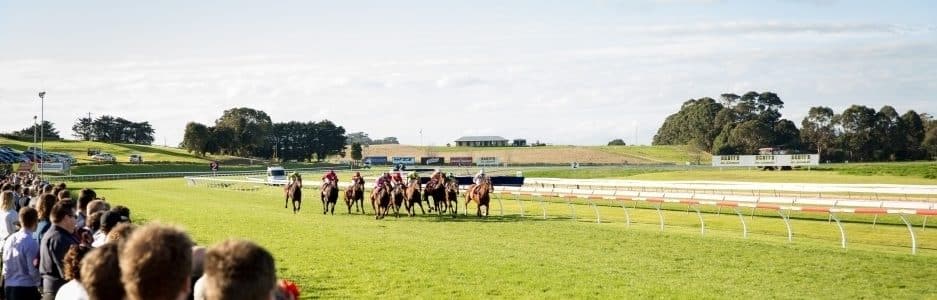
44 206
29 218
73 261
94 221
6 200
156 262
63 215
101 273
97 205
236 269
61 186
332 172
64 194
120 233
123 211
85 196
450 175
358 174
48 188
198 261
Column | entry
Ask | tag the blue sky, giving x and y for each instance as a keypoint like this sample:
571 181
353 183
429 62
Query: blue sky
563 72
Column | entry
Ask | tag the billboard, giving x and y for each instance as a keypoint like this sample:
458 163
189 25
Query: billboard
433 160
403 160
488 161
60 168
766 160
375 160
460 161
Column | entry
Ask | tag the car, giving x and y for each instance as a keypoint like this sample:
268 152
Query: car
104 157
136 158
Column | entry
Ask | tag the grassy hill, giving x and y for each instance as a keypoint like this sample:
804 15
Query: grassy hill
550 154
151 154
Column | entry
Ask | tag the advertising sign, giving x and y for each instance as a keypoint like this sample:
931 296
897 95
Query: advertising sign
488 161
375 160
434 160
460 161
404 160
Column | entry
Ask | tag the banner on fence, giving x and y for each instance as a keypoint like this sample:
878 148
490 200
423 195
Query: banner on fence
433 160
460 161
375 160
404 160
766 160
488 161
57 167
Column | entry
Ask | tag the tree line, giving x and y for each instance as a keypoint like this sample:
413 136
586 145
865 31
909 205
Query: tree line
742 124
111 129
249 132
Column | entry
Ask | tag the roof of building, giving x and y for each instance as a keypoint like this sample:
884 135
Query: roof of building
484 138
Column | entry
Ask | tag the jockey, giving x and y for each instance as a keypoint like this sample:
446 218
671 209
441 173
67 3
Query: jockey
451 178
383 180
330 178
357 179
413 177
396 178
479 177
295 178
436 177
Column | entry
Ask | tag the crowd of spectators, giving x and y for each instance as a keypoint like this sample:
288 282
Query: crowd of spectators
54 247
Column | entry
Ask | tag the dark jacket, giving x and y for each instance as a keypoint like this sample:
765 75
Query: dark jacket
52 250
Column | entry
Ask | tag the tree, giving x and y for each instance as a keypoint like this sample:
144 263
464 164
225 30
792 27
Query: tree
359 137
46 131
196 138
857 123
695 120
249 128
616 142
82 129
750 135
930 143
817 129
888 134
914 134
786 135
356 152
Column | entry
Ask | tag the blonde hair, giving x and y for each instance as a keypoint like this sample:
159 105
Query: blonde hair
7 198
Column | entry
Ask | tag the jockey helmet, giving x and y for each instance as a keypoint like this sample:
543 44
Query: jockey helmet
358 174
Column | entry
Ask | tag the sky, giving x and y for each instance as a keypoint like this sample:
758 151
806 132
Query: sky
429 72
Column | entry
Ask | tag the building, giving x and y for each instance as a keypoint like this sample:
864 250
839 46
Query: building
519 143
481 141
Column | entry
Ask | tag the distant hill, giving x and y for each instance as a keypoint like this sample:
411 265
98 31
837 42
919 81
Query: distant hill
79 150
550 154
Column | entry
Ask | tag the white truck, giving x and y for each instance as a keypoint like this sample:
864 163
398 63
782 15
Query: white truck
276 175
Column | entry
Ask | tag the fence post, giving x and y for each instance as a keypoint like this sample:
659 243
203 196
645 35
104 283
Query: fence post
787 223
842 231
660 216
742 218
520 203
627 216
911 231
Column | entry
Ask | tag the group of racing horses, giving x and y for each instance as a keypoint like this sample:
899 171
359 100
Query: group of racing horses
445 195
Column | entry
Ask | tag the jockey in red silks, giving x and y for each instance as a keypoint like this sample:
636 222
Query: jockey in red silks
382 181
396 178
330 178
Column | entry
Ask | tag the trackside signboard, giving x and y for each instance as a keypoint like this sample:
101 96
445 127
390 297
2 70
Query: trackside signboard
488 161
792 160
433 160
404 160
375 160
460 161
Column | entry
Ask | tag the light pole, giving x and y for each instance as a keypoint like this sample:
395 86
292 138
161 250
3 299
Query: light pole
42 113
35 127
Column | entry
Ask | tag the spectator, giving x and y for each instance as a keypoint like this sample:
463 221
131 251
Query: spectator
85 196
101 273
64 195
120 233
25 197
124 213
109 220
46 202
236 269
198 263
8 215
20 253
54 245
98 205
156 262
73 289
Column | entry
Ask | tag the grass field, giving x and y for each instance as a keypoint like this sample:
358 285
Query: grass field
345 256
548 154
79 150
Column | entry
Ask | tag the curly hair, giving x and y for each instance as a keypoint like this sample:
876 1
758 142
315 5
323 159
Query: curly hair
73 261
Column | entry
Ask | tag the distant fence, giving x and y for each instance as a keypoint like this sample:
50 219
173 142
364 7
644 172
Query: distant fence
122 176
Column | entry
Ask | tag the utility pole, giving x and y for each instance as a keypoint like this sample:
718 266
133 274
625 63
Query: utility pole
42 113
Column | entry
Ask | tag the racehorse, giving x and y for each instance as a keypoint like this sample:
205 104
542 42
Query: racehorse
412 198
397 195
438 192
295 192
329 194
480 195
452 196
355 195
380 202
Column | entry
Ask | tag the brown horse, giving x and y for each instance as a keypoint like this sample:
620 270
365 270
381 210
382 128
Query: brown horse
412 198
329 194
438 192
355 195
480 195
452 196
293 191
397 194
380 202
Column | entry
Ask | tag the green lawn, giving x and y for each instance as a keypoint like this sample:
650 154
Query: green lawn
663 153
354 256
79 150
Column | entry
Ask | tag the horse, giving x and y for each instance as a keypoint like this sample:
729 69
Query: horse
397 195
355 195
380 202
452 196
295 192
412 198
329 194
438 192
480 195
